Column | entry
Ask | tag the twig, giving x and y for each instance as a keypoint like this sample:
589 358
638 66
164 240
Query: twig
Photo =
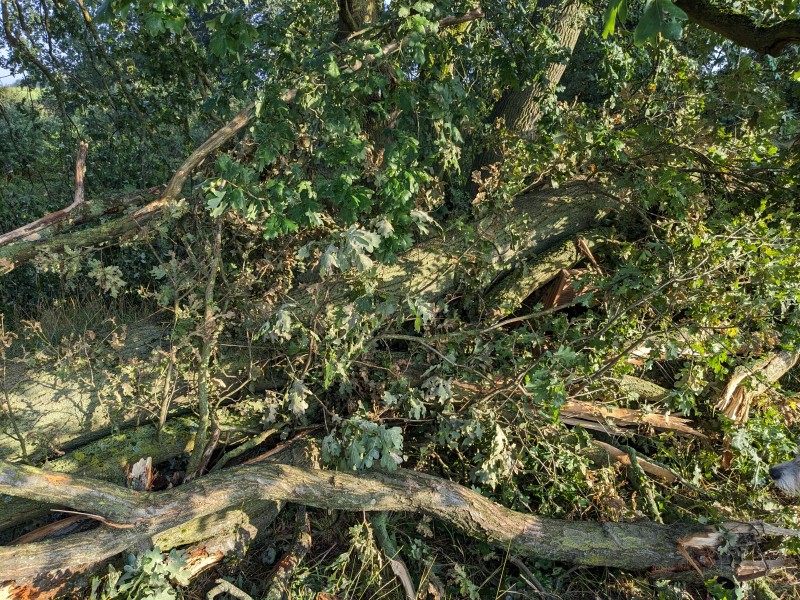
528 577
226 587
239 450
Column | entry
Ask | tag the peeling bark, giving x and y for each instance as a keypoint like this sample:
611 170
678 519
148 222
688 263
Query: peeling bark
735 400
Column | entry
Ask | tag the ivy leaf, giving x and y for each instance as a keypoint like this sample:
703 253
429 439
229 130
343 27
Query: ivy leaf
332 69
389 399
384 228
422 219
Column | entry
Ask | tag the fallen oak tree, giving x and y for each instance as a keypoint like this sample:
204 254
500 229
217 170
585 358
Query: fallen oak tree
134 519
689 560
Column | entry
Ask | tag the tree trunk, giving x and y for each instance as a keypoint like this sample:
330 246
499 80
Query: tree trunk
532 224
353 15
521 110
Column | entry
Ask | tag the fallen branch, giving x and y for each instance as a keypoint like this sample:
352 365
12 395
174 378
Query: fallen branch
592 415
60 215
603 417
634 546
226 587
646 466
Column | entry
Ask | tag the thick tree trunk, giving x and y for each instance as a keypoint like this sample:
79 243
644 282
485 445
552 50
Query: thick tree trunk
136 516
532 224
354 15
521 110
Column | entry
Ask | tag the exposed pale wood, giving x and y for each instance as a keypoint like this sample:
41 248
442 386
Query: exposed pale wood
507 295
750 381
627 417
646 465
606 417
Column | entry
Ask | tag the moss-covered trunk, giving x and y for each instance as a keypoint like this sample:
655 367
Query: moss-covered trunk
137 516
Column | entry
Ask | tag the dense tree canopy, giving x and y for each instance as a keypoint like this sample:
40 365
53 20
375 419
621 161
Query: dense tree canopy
544 250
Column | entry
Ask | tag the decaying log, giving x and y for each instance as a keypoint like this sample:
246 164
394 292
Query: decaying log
641 388
531 224
138 516
108 457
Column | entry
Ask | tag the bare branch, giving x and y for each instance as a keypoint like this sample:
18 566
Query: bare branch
26 231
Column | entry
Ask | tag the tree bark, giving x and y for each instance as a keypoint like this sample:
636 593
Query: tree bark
354 15
137 515
520 110
741 29
532 224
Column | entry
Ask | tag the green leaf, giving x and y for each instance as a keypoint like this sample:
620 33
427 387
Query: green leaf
659 16
672 10
615 9
423 7
329 260
649 25
216 203
332 69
